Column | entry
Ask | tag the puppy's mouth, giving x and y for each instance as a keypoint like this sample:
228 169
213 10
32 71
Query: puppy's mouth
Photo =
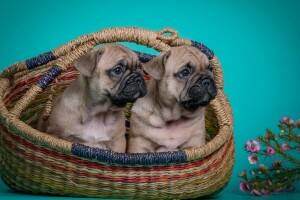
199 94
131 88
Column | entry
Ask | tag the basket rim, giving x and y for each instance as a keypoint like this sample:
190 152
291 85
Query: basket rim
154 158
219 105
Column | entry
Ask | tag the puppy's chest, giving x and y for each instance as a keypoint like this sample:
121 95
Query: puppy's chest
175 133
100 129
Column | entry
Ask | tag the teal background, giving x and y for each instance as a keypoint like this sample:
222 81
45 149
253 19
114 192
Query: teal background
257 43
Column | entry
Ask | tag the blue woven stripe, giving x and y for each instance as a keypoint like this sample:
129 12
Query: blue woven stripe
128 159
40 60
144 57
209 53
48 77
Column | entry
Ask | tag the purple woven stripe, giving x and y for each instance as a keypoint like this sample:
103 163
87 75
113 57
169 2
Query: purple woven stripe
48 77
128 159
209 53
144 57
40 60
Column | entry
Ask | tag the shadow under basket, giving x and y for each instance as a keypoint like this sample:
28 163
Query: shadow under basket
35 162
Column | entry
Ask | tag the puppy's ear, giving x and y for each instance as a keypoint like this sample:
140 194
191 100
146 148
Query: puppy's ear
86 64
156 66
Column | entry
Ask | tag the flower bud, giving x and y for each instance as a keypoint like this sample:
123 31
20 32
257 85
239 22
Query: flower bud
284 119
265 192
285 146
263 168
270 151
297 123
277 164
244 186
292 122
243 174
290 188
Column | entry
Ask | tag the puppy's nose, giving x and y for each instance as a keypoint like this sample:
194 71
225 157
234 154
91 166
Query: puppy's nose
210 86
206 82
138 80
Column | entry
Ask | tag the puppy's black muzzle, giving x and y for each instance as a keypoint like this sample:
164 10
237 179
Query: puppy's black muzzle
132 87
200 93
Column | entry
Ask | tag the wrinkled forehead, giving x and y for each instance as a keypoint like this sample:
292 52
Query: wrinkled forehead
183 55
117 54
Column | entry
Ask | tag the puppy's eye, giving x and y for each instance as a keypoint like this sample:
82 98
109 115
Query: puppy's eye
210 68
184 73
140 66
117 70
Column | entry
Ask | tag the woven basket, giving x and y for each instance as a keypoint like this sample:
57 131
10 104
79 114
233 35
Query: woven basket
34 162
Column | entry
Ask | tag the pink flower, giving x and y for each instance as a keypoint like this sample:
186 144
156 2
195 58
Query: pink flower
290 188
285 146
252 146
244 186
253 159
292 122
284 119
265 192
270 151
255 192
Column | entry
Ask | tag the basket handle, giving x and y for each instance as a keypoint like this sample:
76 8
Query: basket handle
66 55
172 37
45 58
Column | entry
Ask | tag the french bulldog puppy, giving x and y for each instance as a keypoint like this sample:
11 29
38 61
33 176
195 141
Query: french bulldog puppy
90 110
171 115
